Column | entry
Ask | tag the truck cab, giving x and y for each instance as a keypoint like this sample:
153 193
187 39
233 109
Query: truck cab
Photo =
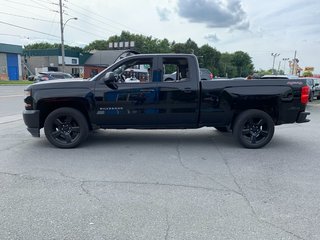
151 100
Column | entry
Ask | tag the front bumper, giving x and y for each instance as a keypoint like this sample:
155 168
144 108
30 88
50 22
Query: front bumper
302 117
32 119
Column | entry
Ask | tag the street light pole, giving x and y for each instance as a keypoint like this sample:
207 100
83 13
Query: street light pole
62 26
62 39
274 55
285 62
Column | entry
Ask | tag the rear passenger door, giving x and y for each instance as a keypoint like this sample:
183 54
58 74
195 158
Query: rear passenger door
179 97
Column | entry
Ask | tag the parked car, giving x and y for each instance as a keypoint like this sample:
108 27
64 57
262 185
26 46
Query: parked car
44 76
205 74
31 77
170 76
313 84
279 77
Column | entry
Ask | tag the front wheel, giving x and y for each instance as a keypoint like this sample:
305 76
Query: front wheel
66 128
253 128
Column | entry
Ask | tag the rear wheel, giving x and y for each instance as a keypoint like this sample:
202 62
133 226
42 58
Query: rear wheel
253 128
66 128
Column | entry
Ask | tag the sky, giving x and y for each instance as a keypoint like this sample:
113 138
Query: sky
259 28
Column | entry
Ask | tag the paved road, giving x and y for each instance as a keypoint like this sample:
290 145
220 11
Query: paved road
166 184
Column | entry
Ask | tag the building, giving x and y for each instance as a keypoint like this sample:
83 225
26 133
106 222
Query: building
10 62
78 64
37 60
101 59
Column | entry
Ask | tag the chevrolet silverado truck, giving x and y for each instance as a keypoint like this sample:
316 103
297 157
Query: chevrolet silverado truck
133 93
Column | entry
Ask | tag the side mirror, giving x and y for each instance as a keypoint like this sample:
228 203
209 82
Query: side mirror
110 80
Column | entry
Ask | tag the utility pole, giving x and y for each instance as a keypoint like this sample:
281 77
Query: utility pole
274 55
294 63
62 38
279 67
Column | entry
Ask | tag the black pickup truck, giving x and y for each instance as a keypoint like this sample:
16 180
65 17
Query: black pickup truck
132 93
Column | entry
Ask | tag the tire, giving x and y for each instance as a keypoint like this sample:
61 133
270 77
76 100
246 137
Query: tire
66 128
222 129
253 128
311 96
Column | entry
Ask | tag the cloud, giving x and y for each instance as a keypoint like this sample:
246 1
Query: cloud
214 13
212 38
163 14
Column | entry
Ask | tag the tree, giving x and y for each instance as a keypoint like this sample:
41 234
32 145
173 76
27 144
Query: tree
209 58
178 48
189 47
46 45
242 61
143 44
96 45
226 67
307 74
42 45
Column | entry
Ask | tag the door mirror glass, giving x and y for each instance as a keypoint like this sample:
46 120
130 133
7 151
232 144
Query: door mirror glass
110 80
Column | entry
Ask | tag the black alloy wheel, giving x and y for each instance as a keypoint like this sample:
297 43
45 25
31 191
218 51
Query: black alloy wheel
66 128
253 128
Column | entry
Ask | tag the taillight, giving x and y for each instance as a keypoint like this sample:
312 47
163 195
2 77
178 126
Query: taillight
305 90
211 75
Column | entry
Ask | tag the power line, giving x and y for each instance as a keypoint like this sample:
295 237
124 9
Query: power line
28 29
28 5
103 17
15 15
13 35
39 3
99 28
85 31
97 20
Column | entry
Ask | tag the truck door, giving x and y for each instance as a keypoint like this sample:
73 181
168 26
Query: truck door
135 101
178 93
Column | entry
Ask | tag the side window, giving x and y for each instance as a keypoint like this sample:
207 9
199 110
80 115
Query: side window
175 69
134 71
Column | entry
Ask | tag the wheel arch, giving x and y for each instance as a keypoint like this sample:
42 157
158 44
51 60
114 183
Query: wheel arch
46 106
270 110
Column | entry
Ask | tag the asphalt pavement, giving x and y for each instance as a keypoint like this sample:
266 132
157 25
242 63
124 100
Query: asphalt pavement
164 184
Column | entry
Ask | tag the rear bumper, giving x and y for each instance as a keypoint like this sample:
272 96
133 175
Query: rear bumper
302 117
32 120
